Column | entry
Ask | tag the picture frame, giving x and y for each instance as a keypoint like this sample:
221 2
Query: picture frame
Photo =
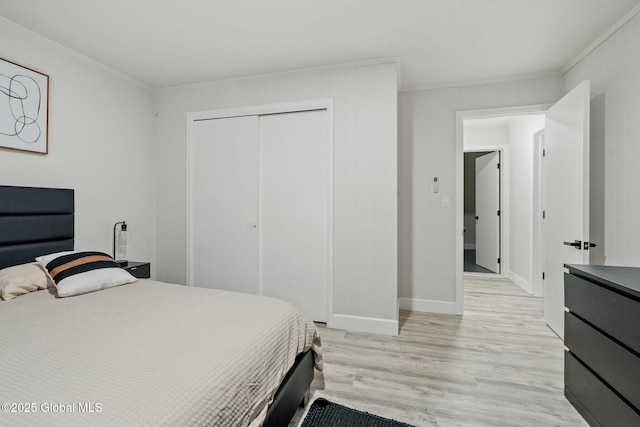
24 108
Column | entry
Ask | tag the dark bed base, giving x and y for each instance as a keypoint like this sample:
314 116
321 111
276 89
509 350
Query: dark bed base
37 221
292 392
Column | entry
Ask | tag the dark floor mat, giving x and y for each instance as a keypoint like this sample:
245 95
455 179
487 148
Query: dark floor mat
323 413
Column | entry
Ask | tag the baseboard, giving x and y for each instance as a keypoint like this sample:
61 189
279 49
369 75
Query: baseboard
471 246
427 306
524 284
364 324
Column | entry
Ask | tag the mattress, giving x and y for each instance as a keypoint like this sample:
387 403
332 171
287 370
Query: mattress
147 353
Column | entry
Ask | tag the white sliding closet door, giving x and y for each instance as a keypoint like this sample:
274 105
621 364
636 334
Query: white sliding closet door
224 204
259 207
294 209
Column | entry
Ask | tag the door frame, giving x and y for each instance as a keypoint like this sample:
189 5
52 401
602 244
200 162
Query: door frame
503 241
537 231
261 110
459 228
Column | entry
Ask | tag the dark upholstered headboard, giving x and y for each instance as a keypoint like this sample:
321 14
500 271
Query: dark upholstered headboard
34 222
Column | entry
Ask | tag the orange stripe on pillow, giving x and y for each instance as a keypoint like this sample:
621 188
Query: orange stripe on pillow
77 262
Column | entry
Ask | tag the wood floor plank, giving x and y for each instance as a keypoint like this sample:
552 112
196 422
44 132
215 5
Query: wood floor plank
498 365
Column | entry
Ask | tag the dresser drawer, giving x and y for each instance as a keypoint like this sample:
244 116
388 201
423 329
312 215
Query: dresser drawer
611 312
613 363
584 390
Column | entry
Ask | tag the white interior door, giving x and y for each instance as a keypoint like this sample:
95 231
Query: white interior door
294 209
487 207
224 204
566 196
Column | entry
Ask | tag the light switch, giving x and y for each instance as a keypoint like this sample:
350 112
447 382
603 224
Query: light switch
435 187
445 200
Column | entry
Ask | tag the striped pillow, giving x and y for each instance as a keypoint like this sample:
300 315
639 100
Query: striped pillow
77 273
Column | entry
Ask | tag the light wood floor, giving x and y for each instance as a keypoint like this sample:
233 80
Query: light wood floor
498 365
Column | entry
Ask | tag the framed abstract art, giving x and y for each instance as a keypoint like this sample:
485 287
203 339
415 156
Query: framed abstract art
24 100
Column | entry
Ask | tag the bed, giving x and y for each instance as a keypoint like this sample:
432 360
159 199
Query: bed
145 353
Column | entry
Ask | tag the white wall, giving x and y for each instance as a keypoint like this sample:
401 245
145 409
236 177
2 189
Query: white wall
479 137
101 129
365 178
427 148
521 131
615 144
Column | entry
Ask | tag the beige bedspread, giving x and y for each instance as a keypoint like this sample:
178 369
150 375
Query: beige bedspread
148 353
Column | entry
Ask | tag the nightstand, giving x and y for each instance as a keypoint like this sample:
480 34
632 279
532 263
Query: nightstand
141 270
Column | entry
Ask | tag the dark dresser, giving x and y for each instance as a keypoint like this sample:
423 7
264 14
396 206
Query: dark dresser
602 334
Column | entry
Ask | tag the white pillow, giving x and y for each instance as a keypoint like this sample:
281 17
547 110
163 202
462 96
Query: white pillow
22 279
77 273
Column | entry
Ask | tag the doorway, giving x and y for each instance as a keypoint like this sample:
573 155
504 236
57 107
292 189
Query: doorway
507 131
482 231
565 211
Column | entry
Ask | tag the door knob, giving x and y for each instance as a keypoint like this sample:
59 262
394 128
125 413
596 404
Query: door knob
576 244
476 217
588 245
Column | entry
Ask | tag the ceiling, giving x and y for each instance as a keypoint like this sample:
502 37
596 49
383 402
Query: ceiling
165 43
